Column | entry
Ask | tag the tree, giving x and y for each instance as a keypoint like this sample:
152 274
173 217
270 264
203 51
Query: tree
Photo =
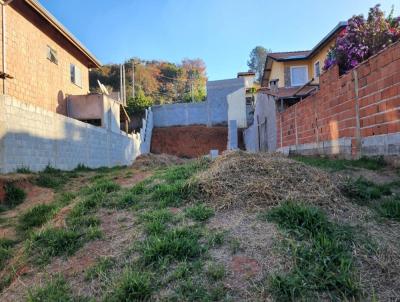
257 60
137 105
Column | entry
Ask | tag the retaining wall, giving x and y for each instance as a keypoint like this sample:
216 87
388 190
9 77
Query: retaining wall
32 137
189 141
352 115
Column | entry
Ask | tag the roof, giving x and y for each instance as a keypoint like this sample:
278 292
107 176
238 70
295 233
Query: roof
246 73
299 55
287 93
35 5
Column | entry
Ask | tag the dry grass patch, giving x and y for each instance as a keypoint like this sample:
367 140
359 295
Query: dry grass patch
258 180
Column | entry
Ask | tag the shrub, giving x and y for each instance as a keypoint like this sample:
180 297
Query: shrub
363 38
14 195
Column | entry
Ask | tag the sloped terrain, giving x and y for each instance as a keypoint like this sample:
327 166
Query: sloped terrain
245 227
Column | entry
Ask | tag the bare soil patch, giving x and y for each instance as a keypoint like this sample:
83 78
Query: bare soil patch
133 178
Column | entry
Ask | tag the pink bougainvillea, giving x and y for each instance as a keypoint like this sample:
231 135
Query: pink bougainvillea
363 38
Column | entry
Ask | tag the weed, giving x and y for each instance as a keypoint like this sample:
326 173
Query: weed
215 272
103 185
168 195
215 239
24 170
155 221
14 196
390 208
178 244
323 260
52 242
370 163
35 217
363 190
55 290
234 245
5 250
64 199
51 178
100 269
199 212
133 286
126 200
82 168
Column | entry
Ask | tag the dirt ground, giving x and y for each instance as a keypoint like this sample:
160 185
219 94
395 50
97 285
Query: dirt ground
249 253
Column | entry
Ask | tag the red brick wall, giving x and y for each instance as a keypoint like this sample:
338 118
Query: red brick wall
331 112
189 141
36 79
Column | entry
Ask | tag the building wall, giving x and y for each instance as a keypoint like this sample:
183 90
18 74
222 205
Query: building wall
36 79
33 137
237 107
261 135
321 56
335 121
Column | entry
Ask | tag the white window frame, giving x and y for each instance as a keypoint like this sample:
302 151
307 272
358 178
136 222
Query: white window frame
291 75
77 80
52 55
315 70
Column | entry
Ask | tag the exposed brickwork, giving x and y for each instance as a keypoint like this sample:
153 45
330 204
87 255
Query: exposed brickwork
189 141
36 79
330 114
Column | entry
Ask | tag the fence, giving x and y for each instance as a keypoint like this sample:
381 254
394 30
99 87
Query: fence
352 115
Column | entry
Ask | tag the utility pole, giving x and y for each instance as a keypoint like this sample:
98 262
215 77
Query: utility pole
133 78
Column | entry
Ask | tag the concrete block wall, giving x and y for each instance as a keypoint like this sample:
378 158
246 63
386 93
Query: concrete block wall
212 112
352 115
34 138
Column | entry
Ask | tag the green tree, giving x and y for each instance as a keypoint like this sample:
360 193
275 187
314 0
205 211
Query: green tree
137 105
257 60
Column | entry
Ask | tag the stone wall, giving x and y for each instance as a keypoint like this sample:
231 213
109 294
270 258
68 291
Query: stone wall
352 115
32 137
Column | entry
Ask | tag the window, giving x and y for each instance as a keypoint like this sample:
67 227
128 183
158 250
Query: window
76 76
298 75
317 70
52 55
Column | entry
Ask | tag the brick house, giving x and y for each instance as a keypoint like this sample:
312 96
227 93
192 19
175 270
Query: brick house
293 75
41 62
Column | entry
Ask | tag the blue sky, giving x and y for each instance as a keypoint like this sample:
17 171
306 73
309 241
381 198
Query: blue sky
221 32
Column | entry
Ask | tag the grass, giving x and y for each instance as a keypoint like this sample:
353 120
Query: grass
199 212
155 221
362 190
5 250
55 289
176 244
216 272
14 196
53 242
370 163
323 263
100 269
390 208
35 217
24 170
132 286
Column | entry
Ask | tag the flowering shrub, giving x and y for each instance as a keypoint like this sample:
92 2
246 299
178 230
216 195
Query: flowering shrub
363 38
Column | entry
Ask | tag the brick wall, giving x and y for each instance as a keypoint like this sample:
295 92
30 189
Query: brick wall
36 79
336 121
33 137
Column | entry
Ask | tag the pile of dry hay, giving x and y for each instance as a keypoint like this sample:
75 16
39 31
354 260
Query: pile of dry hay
150 161
242 179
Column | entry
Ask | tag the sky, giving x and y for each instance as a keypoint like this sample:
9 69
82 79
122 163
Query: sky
221 32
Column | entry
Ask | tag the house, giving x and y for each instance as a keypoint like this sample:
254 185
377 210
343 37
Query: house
291 76
41 62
